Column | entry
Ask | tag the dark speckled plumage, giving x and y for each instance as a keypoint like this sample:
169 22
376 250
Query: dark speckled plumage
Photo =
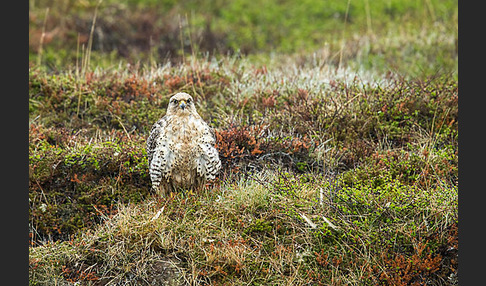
180 148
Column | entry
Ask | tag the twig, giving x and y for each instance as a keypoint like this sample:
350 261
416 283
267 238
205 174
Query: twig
156 216
311 224
321 197
100 212
344 31
330 223
39 56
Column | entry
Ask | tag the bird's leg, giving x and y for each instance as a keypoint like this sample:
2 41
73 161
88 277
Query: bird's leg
163 189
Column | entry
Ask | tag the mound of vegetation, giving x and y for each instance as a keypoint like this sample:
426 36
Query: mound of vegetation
366 189
271 228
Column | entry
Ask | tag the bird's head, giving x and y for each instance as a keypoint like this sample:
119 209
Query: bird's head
181 104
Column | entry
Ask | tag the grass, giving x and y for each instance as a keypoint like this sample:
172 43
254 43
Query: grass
253 232
407 36
366 192
340 166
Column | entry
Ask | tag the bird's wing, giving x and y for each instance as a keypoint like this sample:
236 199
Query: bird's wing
208 162
160 157
151 143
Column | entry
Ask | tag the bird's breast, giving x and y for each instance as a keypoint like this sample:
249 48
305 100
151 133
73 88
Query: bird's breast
182 135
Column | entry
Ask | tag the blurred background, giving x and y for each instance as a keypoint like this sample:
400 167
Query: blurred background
409 36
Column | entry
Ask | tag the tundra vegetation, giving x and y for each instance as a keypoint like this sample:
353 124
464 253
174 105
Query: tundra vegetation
336 123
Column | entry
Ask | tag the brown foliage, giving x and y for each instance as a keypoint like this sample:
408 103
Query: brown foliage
241 144
237 143
424 264
401 270
78 275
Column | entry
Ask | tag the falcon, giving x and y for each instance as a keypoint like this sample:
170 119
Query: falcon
180 149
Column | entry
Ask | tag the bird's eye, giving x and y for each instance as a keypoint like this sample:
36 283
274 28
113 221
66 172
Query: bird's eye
189 101
174 101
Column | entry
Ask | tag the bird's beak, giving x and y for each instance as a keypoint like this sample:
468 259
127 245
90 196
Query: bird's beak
182 104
